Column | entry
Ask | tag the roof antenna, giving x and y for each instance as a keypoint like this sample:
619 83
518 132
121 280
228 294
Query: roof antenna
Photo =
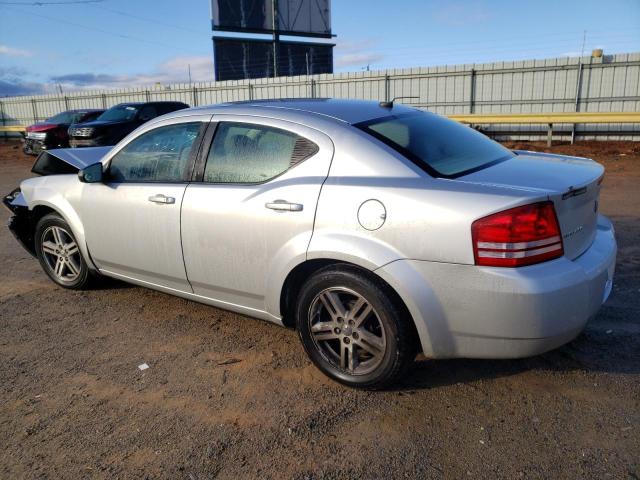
390 104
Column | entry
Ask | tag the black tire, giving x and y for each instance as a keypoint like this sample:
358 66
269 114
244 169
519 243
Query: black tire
388 321
74 272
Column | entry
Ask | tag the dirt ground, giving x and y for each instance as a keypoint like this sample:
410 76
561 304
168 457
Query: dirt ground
230 397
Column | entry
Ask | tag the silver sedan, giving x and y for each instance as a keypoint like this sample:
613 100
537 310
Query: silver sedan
375 230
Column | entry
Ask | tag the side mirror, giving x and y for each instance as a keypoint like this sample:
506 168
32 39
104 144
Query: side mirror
91 174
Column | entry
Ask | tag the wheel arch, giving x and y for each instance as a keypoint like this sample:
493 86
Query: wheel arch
40 208
296 277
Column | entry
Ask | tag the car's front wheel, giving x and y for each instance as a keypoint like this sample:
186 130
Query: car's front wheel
58 253
353 329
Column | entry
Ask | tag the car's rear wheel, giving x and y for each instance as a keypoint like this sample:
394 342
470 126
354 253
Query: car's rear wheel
353 329
58 253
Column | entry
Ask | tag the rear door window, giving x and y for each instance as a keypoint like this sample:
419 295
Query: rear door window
249 153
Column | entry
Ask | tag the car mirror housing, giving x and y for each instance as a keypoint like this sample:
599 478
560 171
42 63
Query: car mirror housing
91 174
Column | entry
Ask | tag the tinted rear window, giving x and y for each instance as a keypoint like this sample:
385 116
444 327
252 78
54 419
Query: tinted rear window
169 107
119 113
64 117
442 147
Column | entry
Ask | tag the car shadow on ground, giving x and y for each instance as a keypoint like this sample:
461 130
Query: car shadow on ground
608 345
594 351
108 283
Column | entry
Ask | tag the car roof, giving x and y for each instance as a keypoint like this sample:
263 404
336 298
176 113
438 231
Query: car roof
162 102
82 110
348 111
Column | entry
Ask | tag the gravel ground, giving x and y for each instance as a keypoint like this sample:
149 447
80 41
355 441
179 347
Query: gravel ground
231 397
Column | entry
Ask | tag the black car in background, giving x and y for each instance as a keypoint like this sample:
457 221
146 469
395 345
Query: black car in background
117 122
52 133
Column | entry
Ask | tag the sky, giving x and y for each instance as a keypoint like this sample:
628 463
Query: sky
47 45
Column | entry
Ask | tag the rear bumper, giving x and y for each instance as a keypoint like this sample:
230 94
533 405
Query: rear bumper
487 312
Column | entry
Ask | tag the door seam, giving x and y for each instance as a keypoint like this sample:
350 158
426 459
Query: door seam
315 212
184 263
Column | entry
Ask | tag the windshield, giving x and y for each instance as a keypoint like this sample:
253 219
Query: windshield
64 117
119 113
442 147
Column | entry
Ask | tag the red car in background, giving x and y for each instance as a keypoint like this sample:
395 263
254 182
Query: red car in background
52 133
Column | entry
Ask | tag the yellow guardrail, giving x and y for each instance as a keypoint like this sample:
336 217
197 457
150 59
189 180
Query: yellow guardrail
513 118
550 118
12 128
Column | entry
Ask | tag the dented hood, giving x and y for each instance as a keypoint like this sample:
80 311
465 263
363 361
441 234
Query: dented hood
68 160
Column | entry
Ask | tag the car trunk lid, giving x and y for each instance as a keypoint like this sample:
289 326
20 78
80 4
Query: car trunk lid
572 183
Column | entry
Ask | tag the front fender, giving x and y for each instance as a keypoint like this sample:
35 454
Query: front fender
46 192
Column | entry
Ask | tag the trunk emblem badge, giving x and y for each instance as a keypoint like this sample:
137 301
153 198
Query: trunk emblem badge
573 232
574 192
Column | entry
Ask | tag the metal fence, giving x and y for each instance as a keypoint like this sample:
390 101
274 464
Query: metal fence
607 84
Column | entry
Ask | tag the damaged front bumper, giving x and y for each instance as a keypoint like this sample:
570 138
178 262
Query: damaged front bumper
33 146
21 223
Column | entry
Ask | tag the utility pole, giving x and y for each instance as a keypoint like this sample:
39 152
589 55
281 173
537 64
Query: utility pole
578 85
189 71
276 36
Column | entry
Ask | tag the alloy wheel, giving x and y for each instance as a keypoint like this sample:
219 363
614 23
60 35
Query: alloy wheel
347 330
61 254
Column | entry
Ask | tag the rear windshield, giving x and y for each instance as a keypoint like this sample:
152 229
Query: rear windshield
119 113
64 117
442 147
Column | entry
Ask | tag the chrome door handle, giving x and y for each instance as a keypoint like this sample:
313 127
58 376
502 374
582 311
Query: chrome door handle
284 206
160 198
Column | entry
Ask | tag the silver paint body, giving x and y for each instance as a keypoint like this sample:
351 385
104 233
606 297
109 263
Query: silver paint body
218 244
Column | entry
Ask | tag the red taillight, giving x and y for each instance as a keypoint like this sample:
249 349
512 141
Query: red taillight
517 237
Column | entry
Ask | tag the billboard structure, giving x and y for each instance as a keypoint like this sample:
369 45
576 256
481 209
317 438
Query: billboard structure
240 58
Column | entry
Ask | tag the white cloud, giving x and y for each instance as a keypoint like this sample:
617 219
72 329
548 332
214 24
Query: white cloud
358 59
14 52
356 53
201 69
460 14
16 81
174 70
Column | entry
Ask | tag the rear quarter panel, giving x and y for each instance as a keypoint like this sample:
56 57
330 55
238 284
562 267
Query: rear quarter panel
426 218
